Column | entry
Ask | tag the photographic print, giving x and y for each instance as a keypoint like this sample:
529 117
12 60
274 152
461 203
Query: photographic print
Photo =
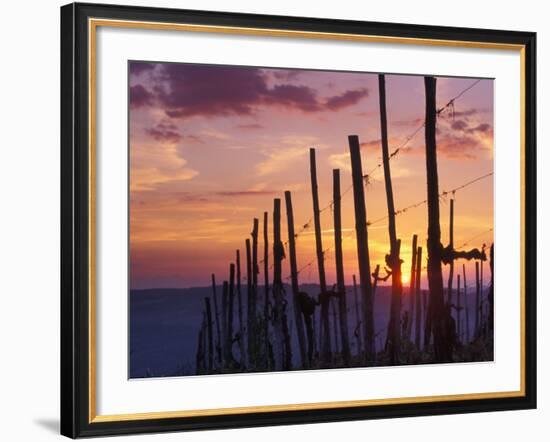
293 219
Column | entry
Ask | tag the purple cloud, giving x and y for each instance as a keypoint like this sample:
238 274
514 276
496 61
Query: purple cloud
140 97
183 90
459 125
465 126
482 127
300 97
348 98
137 67
165 132
210 90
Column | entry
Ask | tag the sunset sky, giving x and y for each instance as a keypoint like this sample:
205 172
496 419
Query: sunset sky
212 146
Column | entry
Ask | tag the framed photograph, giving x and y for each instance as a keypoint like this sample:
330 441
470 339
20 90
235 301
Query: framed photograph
279 220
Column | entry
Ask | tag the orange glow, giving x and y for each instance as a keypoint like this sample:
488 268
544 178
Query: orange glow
212 156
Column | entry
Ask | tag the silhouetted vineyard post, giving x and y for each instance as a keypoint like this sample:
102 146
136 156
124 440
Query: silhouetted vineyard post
240 301
418 293
255 271
392 260
254 330
466 306
209 334
340 283
249 306
358 332
451 246
266 293
436 323
282 351
294 281
412 287
200 358
230 313
333 307
458 308
225 308
217 320
324 298
484 318
481 277
362 245
375 278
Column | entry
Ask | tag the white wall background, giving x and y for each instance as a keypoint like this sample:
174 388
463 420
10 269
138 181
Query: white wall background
29 220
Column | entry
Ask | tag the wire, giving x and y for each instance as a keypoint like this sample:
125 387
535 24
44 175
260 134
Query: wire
474 237
441 195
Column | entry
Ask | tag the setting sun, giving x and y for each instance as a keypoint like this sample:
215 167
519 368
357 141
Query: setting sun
405 278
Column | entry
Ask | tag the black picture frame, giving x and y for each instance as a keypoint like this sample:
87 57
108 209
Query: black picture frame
75 219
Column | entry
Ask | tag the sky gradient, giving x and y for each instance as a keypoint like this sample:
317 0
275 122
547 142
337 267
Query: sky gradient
212 146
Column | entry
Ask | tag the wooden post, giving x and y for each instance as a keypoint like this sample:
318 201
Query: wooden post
294 280
200 350
255 270
225 307
393 261
210 337
362 246
458 308
478 304
217 320
466 306
390 335
358 332
451 246
249 306
282 351
335 347
481 277
374 286
418 294
340 283
436 322
324 298
230 313
266 292
484 318
240 301
412 287
204 343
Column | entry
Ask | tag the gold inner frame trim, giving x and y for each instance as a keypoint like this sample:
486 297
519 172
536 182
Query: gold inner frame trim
93 24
